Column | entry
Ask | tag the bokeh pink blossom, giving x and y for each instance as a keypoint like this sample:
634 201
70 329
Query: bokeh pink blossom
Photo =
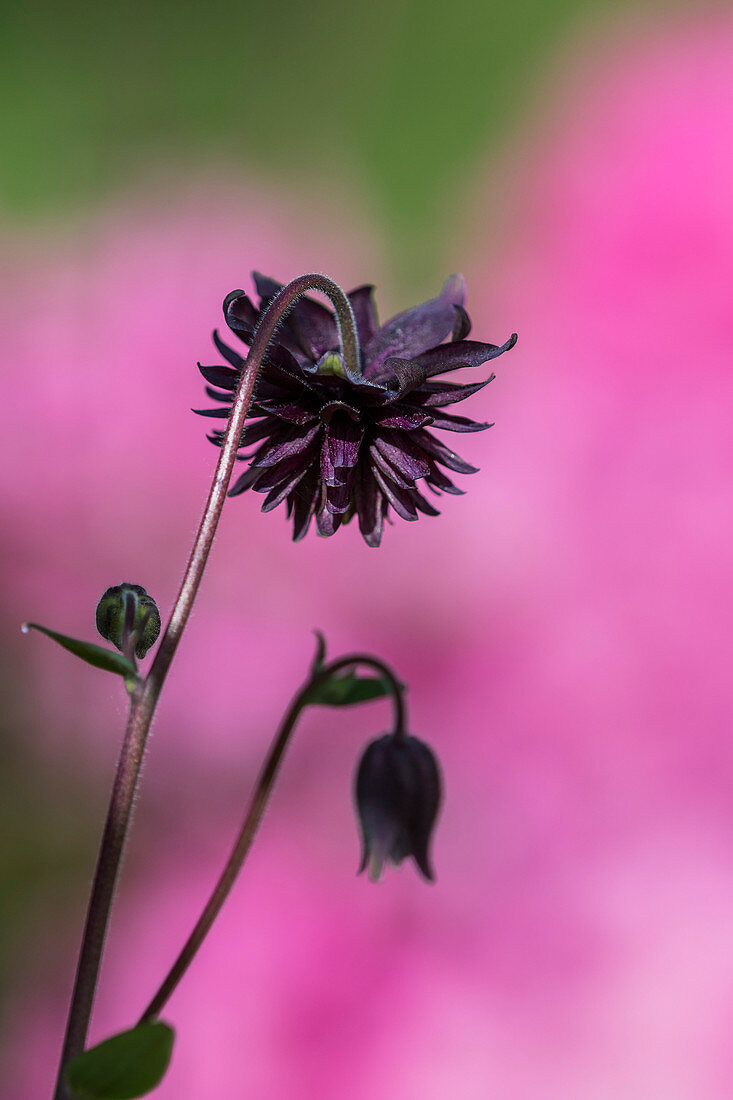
563 628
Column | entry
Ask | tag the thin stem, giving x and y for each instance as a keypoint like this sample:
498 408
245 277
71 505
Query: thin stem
396 689
255 811
103 887
145 698
272 317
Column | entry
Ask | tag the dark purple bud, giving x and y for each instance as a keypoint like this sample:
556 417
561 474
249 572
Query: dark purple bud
398 792
127 613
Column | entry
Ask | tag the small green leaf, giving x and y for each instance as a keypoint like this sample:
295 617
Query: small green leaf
124 1067
96 655
345 691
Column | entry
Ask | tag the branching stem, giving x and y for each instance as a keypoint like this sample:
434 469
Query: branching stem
255 811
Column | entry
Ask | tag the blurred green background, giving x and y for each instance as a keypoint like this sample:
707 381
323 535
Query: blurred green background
398 101
405 97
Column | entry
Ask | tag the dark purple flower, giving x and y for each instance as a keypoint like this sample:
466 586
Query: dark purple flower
397 798
333 444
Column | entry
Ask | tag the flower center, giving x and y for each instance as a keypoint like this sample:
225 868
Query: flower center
331 363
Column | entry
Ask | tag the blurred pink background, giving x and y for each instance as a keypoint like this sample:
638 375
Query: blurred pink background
563 629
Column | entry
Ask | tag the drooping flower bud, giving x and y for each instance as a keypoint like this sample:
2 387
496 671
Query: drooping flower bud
126 610
398 791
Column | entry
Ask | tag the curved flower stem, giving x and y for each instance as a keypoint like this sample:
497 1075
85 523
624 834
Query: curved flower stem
273 315
258 802
146 696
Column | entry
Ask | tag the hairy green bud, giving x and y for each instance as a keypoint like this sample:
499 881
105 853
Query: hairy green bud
127 616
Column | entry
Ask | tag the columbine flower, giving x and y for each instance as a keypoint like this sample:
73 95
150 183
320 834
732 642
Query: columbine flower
397 798
333 443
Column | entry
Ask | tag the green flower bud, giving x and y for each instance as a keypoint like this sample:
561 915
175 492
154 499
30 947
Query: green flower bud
127 613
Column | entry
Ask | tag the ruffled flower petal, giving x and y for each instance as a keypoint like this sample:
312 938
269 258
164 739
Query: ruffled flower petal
328 443
417 329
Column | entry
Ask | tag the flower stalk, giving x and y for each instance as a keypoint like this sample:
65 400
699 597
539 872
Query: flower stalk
144 696
255 811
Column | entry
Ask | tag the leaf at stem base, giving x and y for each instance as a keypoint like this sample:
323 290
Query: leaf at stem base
124 1067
